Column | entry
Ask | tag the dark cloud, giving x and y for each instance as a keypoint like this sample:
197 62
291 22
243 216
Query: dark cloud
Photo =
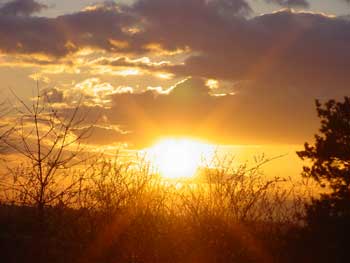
106 26
62 35
279 62
290 3
294 48
190 10
197 24
300 49
21 7
211 27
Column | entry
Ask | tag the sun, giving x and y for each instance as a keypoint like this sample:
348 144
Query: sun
179 158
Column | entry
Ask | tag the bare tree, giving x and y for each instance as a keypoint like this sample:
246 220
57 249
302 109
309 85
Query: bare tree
47 145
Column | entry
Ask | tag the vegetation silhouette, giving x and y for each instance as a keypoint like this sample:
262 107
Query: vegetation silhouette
59 206
46 150
328 217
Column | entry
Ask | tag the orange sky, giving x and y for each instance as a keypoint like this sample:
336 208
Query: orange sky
231 72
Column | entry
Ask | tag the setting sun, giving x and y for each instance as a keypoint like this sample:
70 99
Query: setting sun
179 158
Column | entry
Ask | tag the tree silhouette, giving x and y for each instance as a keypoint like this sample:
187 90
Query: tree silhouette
48 145
328 217
330 156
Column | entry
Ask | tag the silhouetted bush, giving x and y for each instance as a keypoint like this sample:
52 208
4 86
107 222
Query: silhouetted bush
125 213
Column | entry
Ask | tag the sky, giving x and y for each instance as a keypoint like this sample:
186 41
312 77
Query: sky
231 72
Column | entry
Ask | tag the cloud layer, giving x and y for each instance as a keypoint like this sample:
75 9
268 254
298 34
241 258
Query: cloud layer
21 7
277 64
290 3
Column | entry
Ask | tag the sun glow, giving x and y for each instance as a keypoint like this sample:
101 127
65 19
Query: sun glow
179 158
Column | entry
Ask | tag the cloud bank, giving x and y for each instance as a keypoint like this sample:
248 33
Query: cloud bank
290 3
277 64
21 8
